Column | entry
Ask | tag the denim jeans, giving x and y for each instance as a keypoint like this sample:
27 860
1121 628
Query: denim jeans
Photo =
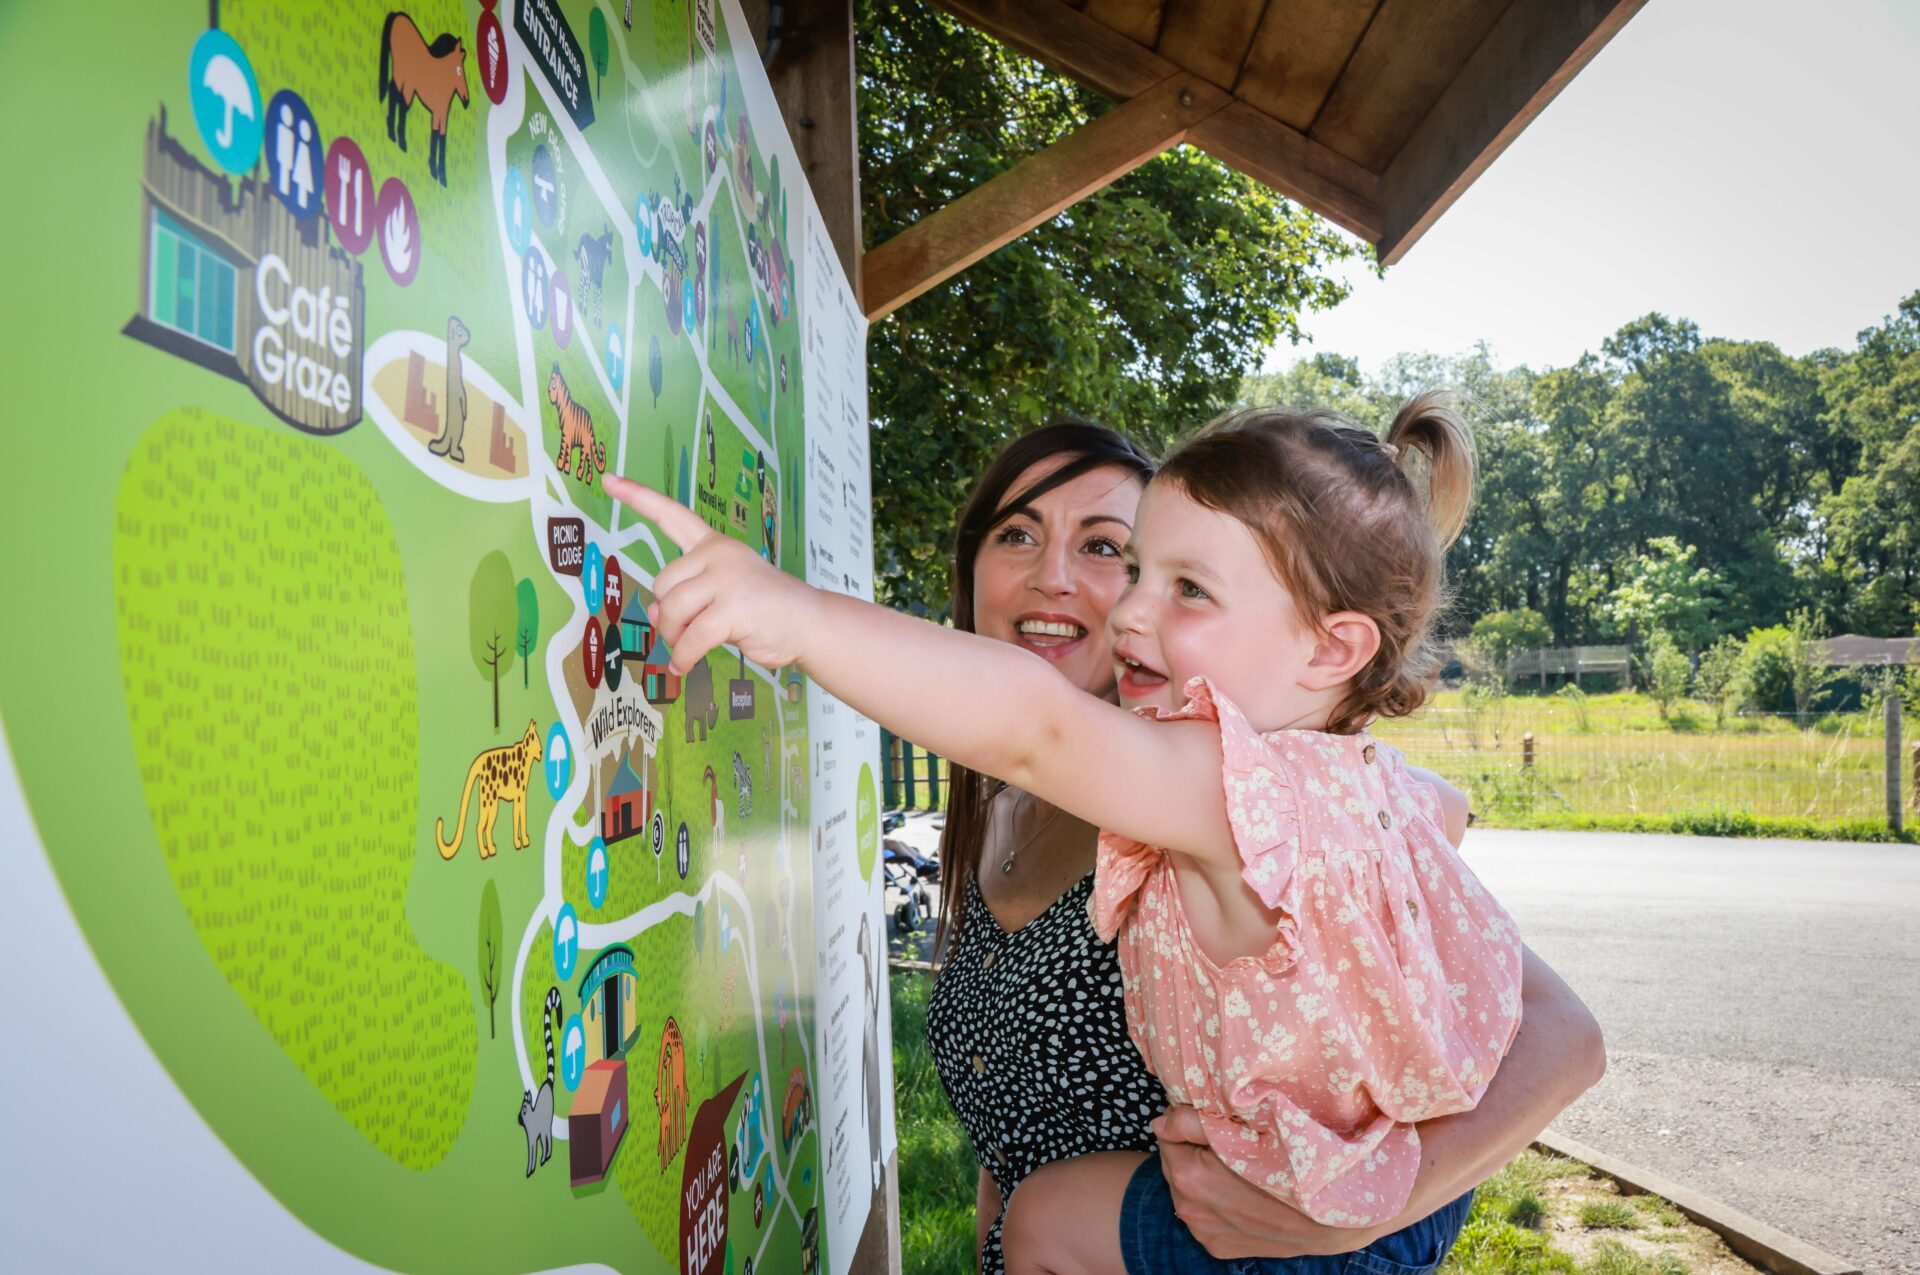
1155 1242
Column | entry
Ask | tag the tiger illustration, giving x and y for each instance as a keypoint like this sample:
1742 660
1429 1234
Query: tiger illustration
576 430
502 774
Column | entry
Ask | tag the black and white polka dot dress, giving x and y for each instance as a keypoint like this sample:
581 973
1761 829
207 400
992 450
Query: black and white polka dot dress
1029 1035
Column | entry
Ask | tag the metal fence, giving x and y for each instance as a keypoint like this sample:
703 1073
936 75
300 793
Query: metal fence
911 778
1522 759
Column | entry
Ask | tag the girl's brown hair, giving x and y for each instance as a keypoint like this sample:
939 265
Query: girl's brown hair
1350 521
1086 447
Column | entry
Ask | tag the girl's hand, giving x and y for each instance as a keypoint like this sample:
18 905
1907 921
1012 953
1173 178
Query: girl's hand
1230 1216
718 591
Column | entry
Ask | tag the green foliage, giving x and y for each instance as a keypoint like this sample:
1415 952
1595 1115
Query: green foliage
938 1171
1526 1210
1611 1257
1504 634
236 755
1665 591
1142 305
1577 700
1665 668
1609 1215
1767 660
1717 680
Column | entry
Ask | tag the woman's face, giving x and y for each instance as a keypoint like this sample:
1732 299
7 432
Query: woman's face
1048 573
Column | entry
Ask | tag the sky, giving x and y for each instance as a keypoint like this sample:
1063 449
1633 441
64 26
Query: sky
1752 165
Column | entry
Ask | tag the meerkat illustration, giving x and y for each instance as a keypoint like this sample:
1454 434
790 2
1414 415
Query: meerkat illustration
454 405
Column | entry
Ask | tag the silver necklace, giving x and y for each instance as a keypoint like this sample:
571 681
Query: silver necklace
1006 865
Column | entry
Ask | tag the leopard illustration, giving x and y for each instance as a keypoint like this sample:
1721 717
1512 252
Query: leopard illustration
502 774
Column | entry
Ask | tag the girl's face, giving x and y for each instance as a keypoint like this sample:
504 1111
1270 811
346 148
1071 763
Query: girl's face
1047 574
1205 600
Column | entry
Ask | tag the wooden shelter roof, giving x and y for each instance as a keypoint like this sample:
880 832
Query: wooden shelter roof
1376 114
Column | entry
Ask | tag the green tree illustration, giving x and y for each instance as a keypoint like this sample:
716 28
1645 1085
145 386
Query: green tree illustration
527 631
597 46
490 954
493 611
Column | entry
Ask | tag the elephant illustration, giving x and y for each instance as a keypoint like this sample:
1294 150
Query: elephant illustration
696 698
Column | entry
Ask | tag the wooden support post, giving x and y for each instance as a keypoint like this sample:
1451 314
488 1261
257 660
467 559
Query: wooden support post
944 243
1893 758
1526 751
933 781
889 778
814 81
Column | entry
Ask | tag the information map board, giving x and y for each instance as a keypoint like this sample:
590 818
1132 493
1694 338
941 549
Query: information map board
373 891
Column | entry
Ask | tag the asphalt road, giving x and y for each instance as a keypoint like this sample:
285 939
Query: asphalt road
1761 1002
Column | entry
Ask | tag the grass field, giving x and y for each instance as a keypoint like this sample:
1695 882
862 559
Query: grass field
1538 1214
1612 761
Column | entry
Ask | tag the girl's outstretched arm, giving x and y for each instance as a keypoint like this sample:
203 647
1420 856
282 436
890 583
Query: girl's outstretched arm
984 704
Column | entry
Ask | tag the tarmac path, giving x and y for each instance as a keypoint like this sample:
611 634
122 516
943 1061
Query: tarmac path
1761 1002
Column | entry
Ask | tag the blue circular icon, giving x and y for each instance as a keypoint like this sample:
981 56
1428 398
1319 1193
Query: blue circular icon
573 1052
546 188
559 762
597 872
294 154
688 316
616 357
517 210
226 101
753 326
533 287
593 576
643 224
566 942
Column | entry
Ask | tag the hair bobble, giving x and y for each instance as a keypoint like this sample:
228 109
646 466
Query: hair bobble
1392 450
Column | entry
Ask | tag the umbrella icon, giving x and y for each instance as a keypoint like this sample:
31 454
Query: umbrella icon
225 80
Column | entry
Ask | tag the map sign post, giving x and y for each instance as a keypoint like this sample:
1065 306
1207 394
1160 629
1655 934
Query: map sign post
329 353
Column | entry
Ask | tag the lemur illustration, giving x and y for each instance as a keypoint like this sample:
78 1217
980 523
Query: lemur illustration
536 1112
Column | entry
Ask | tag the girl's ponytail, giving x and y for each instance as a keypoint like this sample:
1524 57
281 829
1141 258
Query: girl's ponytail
1430 425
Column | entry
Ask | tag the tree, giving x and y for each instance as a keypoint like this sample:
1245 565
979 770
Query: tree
1717 680
1504 634
491 956
527 626
493 612
654 369
1142 305
597 45
1665 592
1664 669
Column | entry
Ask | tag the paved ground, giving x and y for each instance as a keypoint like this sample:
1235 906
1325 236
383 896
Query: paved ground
1761 1001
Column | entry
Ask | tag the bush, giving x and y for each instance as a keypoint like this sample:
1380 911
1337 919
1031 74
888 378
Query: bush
1666 670
1717 680
1505 634
1766 669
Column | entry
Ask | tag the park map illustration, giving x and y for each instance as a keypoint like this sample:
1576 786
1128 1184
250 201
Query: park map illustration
481 939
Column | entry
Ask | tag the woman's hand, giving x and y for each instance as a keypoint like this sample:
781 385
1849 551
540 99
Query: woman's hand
718 591
1230 1216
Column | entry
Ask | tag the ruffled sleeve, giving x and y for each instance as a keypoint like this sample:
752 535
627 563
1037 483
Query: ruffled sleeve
1262 812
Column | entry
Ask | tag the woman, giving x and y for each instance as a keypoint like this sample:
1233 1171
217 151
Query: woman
1026 1021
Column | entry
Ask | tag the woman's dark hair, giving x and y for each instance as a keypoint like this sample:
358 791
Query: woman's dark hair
1088 447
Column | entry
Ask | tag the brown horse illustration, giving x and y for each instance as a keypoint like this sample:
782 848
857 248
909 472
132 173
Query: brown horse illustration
412 70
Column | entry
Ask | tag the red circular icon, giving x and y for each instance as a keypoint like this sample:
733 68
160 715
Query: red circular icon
492 48
590 653
613 594
398 227
348 183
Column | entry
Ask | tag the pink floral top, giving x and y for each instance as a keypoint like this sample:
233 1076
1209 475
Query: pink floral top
1390 994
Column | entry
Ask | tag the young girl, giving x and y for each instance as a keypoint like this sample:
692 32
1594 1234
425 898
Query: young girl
1306 959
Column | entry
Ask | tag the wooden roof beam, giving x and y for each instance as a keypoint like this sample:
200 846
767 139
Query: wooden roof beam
1531 53
1240 135
943 243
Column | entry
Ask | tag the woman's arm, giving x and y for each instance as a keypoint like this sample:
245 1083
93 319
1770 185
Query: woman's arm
986 1207
1557 1056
